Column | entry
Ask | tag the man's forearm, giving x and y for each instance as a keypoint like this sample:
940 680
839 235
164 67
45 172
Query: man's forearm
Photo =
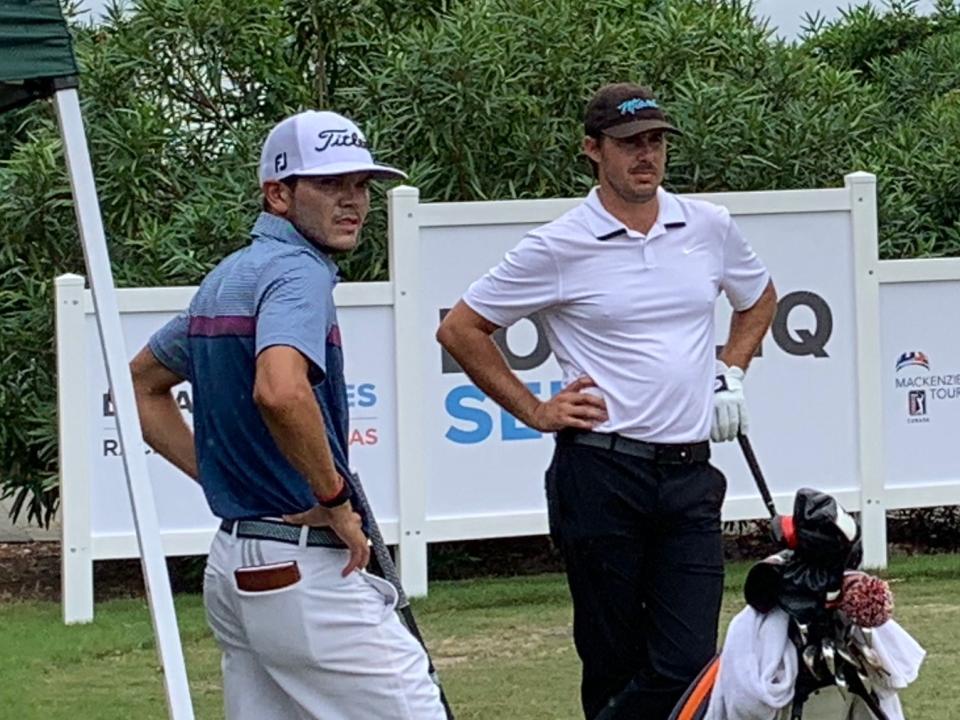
298 429
165 430
747 329
483 362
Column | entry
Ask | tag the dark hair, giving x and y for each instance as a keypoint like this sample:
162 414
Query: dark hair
593 165
290 181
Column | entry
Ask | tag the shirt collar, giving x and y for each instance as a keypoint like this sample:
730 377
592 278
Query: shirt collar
605 226
278 228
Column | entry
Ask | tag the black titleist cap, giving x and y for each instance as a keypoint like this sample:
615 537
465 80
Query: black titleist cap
624 109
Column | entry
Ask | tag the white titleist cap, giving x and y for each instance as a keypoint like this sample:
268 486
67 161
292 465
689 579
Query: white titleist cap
318 143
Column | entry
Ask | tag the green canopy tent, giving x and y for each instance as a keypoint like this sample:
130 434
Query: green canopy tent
37 63
36 56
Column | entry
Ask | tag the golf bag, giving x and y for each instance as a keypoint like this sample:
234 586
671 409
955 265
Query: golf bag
806 581
832 612
828 703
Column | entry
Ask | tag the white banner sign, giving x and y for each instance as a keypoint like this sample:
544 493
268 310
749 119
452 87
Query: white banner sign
921 387
181 506
800 392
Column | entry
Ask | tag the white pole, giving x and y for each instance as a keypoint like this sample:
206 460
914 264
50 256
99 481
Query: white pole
404 241
873 504
152 559
76 552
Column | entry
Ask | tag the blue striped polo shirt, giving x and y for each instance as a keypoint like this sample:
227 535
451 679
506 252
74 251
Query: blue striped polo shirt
276 291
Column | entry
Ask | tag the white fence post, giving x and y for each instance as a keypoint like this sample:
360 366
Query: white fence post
76 553
873 505
404 244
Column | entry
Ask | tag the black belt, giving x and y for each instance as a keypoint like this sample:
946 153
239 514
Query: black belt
281 532
666 453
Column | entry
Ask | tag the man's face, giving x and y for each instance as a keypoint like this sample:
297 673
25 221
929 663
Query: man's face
327 211
632 167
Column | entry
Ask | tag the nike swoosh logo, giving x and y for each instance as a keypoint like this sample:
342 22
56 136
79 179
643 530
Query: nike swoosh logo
687 251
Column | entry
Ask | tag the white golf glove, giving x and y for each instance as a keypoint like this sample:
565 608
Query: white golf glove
729 405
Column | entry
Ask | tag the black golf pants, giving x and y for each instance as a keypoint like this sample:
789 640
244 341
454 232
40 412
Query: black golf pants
642 546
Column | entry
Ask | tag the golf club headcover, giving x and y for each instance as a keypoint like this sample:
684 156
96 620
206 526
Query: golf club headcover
827 544
784 531
825 532
762 587
866 600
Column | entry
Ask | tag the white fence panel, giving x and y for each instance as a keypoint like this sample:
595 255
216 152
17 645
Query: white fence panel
856 390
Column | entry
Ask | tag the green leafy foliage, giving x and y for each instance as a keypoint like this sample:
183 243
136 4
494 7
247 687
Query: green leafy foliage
477 99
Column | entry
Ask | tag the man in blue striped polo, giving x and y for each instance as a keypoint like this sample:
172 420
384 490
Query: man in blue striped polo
305 631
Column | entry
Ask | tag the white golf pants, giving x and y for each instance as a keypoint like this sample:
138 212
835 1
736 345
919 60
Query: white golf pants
326 647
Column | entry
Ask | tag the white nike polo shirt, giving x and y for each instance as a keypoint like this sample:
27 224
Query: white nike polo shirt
634 312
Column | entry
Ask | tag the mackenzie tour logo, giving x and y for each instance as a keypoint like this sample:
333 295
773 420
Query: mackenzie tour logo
913 358
925 389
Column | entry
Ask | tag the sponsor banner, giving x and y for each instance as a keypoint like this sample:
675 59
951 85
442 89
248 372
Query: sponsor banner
921 382
368 351
801 391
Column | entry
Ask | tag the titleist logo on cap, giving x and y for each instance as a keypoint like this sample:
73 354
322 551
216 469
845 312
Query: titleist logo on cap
319 143
339 138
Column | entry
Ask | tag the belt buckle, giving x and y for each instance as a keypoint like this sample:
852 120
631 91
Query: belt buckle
674 454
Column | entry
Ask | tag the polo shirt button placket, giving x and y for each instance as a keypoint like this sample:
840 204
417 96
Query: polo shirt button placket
647 256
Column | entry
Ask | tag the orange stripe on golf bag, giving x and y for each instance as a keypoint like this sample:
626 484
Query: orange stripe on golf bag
693 704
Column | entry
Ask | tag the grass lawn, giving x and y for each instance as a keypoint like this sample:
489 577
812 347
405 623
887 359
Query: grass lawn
502 646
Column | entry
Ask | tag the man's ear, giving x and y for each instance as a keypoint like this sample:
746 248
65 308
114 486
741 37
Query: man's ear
591 148
277 197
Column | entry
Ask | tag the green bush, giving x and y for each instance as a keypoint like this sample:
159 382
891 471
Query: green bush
910 61
177 99
865 33
478 99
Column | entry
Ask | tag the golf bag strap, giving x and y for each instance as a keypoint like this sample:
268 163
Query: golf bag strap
693 704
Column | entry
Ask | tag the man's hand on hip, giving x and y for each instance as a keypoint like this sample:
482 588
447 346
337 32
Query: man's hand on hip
571 408
346 524
729 405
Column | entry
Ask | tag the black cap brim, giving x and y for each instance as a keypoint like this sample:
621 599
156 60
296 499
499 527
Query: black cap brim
639 126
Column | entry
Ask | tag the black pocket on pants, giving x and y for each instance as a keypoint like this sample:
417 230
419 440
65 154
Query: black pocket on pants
720 489
553 500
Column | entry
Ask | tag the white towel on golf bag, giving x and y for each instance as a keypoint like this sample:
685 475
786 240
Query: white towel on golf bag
758 668
901 656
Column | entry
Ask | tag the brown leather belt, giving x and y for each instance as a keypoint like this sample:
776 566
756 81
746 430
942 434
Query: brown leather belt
666 453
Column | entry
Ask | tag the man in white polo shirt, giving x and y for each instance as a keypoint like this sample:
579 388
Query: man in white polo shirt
625 285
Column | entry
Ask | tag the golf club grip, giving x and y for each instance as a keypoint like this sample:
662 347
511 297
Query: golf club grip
382 564
757 474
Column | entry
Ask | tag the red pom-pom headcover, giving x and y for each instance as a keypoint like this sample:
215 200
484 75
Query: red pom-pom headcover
866 599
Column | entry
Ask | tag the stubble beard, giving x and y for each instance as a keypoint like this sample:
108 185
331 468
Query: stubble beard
313 232
632 195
